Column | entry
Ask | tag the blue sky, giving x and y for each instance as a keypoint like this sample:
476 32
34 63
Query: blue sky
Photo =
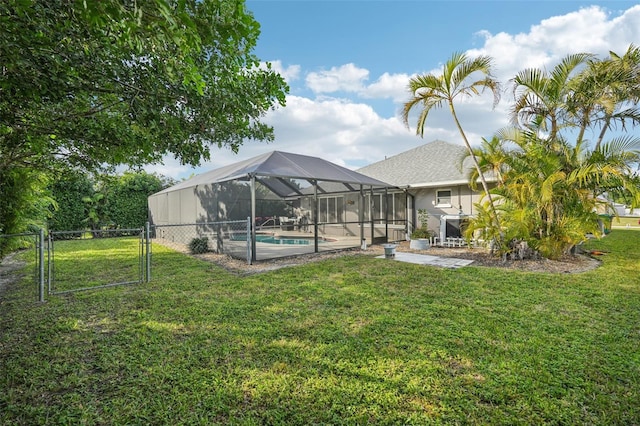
348 64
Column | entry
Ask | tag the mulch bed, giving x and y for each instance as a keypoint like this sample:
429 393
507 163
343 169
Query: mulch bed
481 257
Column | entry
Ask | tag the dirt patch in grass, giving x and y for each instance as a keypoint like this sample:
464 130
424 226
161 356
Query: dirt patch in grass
10 271
480 257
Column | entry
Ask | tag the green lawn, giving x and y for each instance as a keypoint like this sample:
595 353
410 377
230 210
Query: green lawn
631 221
356 340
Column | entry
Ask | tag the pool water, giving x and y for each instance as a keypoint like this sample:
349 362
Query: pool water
287 241
270 239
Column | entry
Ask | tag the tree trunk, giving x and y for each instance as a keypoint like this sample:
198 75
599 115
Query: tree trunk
485 186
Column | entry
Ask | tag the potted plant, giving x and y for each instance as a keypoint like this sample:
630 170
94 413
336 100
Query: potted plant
421 237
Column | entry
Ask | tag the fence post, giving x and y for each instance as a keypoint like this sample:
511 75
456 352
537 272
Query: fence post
49 261
248 240
41 266
148 247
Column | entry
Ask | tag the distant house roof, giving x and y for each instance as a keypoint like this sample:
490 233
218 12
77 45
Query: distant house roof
435 163
274 168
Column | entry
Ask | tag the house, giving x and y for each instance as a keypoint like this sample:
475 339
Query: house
310 205
435 178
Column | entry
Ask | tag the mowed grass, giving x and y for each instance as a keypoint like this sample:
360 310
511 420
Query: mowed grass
88 263
354 340
628 221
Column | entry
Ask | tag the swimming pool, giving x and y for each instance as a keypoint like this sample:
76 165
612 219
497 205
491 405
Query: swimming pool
272 239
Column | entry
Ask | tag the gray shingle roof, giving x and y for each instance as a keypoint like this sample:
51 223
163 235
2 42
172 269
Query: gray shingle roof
432 164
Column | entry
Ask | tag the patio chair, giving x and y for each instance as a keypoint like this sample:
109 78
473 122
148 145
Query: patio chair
286 224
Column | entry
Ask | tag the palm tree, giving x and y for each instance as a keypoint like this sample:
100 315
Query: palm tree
614 86
544 99
492 158
580 92
431 91
550 198
584 92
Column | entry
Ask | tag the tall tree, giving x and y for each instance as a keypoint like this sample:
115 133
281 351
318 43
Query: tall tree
24 203
68 191
544 99
553 180
581 93
128 82
457 80
613 85
584 93
113 82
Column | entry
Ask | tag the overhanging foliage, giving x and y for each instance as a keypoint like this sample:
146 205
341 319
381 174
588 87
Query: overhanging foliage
101 83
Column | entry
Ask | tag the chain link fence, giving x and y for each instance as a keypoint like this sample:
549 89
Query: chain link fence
232 238
11 247
86 260
70 261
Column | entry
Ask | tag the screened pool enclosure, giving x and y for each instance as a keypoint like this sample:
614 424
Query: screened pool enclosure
292 204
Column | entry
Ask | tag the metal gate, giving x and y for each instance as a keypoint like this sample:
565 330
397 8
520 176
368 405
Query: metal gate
85 260
28 240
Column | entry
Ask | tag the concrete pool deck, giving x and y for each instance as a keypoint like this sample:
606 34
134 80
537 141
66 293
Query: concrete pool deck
425 259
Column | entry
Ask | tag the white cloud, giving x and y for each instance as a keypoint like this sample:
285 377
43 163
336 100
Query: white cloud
348 78
392 86
352 79
588 30
344 132
170 167
351 133
290 73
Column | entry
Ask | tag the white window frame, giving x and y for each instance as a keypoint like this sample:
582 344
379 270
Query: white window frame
393 210
331 213
439 203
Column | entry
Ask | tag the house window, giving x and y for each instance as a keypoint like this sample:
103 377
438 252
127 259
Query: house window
443 198
331 209
397 208
396 205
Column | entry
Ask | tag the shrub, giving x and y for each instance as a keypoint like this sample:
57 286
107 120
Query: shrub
69 191
199 245
126 198
422 232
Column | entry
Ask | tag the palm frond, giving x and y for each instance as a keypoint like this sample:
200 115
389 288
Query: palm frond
627 145
562 72
425 82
